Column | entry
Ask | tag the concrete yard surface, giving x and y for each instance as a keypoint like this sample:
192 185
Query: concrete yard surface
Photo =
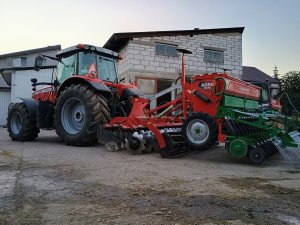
46 182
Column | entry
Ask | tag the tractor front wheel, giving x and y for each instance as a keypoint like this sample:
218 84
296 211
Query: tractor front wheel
19 125
79 112
199 131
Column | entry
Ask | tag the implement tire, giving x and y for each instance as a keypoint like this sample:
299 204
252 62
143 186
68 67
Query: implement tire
19 125
79 111
256 155
200 131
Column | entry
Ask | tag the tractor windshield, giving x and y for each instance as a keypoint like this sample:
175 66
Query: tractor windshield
66 68
102 66
87 61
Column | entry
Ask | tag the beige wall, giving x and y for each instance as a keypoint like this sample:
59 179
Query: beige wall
141 60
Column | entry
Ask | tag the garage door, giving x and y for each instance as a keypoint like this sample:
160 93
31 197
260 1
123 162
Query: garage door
4 102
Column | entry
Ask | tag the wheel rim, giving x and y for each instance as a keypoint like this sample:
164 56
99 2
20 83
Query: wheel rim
16 123
73 115
197 131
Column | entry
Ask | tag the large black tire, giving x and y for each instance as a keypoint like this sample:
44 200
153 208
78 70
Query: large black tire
200 131
19 125
79 111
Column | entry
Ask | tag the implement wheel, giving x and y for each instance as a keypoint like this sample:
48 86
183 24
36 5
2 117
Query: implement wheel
256 155
199 131
79 112
19 125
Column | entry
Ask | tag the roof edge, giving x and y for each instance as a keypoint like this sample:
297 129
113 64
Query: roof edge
124 35
31 51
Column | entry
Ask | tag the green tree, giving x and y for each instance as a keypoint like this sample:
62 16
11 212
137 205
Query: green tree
276 74
290 84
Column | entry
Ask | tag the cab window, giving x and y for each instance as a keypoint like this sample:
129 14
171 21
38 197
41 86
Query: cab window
107 69
86 61
66 68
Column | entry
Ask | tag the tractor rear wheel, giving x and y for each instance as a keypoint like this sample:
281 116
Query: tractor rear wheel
79 112
19 125
199 131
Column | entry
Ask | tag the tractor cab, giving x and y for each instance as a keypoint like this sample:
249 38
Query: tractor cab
83 60
87 60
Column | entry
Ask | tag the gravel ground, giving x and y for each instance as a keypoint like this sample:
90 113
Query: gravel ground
46 182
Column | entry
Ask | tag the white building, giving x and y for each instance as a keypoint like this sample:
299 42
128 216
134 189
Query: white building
152 62
17 69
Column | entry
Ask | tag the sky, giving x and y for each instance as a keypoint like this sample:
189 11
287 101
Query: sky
271 36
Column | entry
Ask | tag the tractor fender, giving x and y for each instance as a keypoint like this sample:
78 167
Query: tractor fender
98 86
31 106
130 92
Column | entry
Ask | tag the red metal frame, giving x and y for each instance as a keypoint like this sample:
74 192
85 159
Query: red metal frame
183 87
141 117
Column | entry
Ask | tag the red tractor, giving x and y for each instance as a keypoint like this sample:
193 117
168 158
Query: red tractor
84 93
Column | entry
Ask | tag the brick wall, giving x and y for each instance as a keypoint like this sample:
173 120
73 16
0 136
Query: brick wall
141 60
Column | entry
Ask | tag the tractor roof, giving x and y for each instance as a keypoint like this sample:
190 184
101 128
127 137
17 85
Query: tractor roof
85 47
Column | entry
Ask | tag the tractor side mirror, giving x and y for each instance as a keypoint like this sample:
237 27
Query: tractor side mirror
33 80
38 63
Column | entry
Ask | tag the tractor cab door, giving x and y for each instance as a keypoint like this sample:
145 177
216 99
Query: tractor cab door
107 69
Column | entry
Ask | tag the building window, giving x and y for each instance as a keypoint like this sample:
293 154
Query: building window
23 62
165 49
19 62
213 56
147 85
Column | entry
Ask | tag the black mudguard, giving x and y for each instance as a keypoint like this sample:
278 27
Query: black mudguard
45 114
31 106
77 80
130 92
99 87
